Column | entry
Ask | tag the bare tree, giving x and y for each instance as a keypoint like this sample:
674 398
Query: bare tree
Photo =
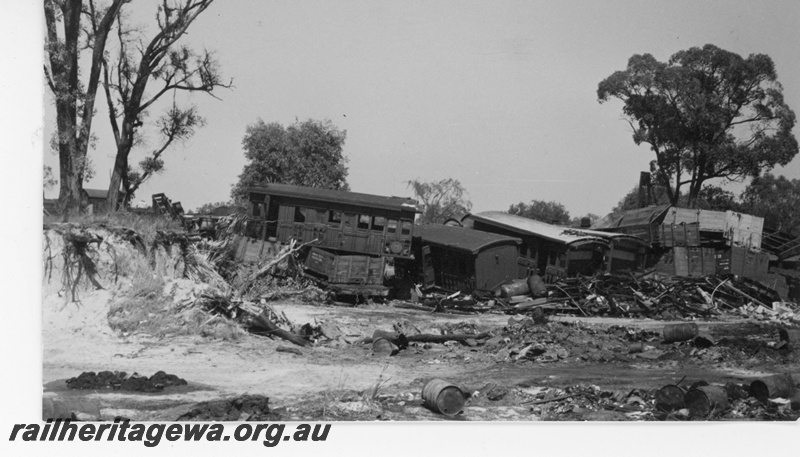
74 101
171 67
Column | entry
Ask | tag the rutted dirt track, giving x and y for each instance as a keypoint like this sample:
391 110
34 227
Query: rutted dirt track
342 379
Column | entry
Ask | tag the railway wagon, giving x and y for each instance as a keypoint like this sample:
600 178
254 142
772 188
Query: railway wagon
460 259
556 252
348 233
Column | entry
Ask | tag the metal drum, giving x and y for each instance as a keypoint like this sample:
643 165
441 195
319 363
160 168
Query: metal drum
705 401
680 332
779 385
442 397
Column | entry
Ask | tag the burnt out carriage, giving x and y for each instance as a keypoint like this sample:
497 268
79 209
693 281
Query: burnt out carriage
460 259
557 252
351 235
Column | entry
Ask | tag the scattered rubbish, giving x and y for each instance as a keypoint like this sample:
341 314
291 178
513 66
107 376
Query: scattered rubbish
442 397
290 350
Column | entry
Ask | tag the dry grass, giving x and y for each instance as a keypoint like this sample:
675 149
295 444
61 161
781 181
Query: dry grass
342 403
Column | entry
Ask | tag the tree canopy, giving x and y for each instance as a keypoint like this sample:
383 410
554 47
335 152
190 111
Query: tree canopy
706 113
442 200
776 199
550 212
305 153
161 61
123 61
711 197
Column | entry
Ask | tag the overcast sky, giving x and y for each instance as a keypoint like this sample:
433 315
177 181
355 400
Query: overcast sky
500 95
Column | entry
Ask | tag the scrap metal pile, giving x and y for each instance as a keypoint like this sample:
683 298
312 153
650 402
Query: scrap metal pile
623 295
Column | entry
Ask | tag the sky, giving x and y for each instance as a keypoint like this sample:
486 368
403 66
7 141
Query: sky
499 95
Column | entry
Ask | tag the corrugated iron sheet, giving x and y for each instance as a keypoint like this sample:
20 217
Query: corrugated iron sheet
523 225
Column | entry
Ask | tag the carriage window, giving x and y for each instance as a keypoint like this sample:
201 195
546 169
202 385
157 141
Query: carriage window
363 221
335 217
378 223
406 230
258 209
322 215
391 227
299 214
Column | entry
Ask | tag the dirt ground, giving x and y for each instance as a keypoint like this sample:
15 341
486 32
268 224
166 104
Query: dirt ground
615 363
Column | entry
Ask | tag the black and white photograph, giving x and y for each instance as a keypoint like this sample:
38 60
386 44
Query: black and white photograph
295 218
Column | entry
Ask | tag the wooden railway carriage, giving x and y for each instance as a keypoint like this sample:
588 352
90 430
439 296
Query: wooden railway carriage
353 234
556 252
460 259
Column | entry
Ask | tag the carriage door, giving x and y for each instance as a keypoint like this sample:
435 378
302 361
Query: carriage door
428 274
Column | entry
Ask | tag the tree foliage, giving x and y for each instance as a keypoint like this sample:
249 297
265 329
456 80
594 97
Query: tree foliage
776 199
706 113
540 210
442 200
711 197
74 98
304 154
592 218
209 208
168 67
48 180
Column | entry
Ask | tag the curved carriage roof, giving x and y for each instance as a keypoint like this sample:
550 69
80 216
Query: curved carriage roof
462 239
632 218
524 226
337 196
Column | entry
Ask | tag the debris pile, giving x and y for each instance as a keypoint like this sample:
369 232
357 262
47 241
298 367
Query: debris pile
119 380
619 295
243 408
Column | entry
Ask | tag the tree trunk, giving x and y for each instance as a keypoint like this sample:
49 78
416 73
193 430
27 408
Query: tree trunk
73 131
70 187
120 171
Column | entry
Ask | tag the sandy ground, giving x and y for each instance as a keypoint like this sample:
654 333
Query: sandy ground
77 338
